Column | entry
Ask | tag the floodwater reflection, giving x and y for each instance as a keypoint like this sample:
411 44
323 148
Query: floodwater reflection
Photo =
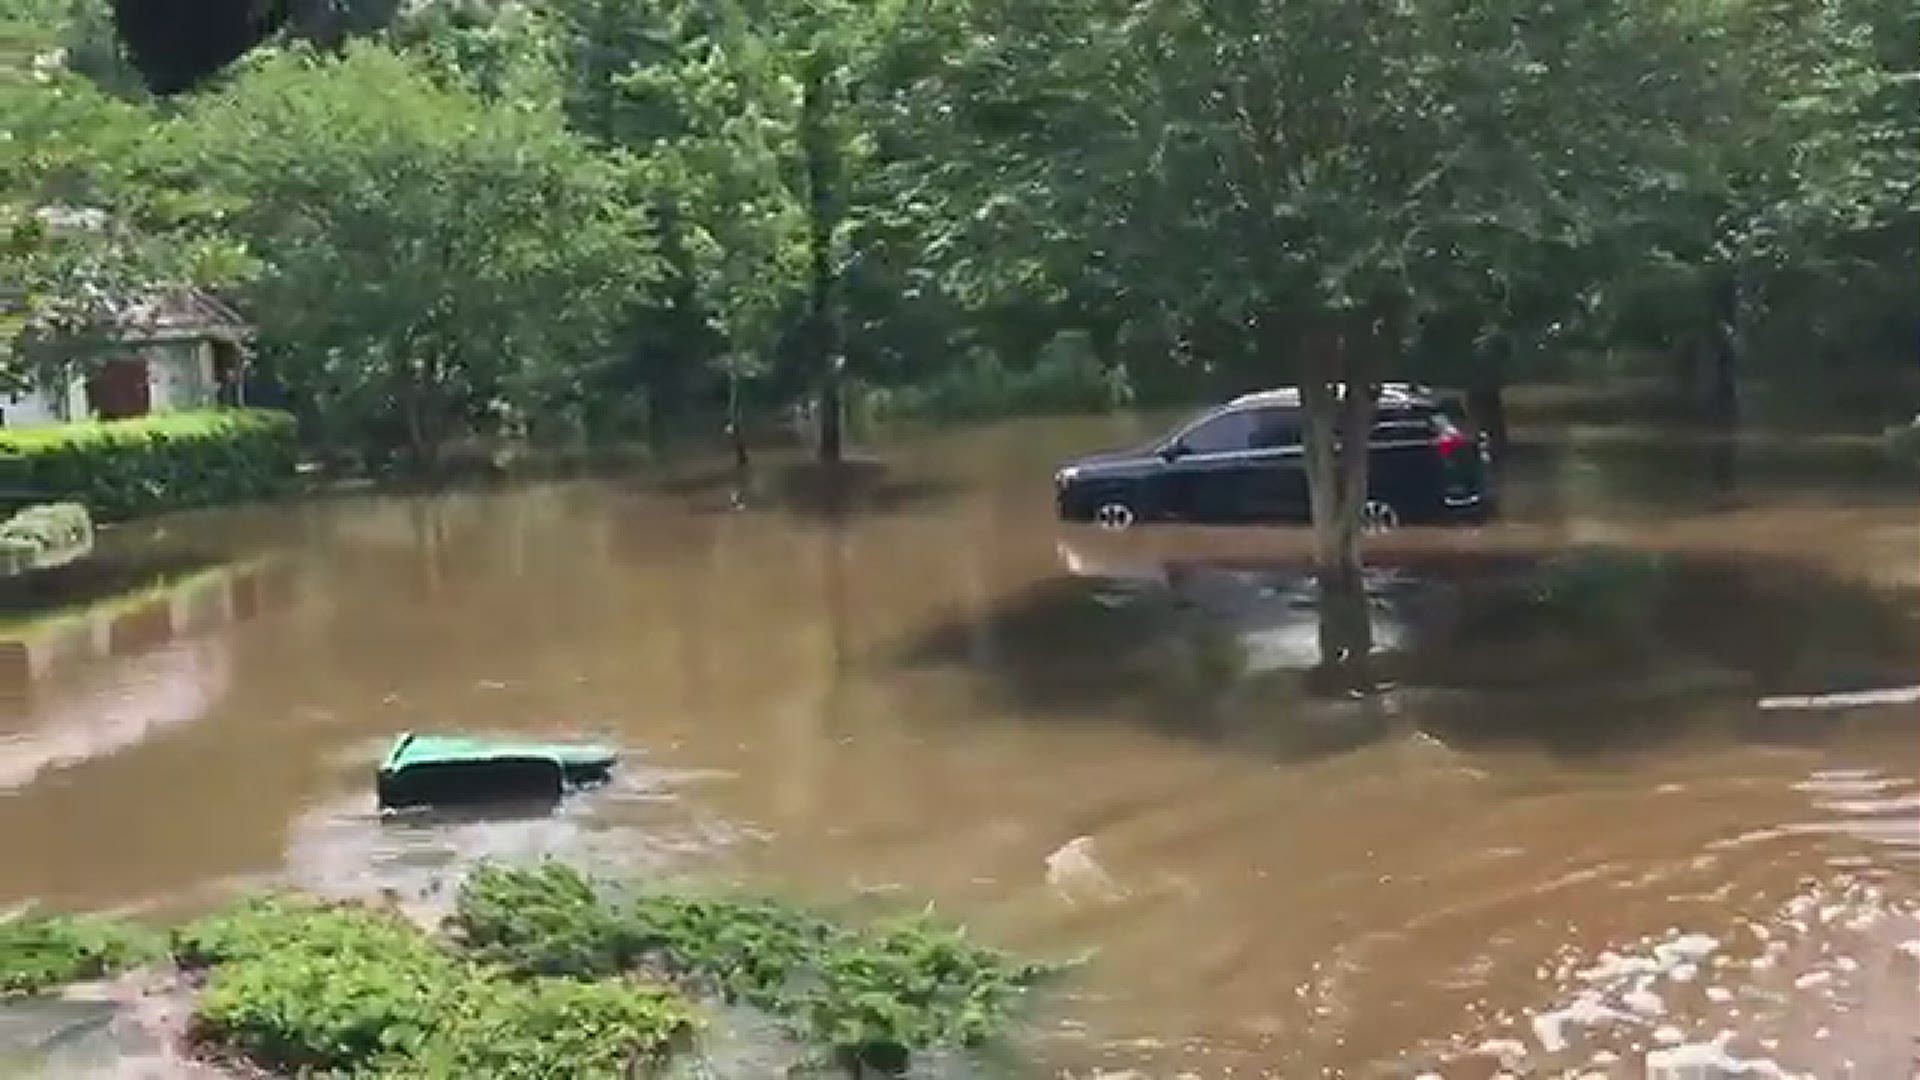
1577 649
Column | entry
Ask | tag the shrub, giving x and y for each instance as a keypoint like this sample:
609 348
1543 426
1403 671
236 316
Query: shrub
299 986
1066 377
868 995
548 1028
46 535
121 468
544 922
265 926
306 1008
42 952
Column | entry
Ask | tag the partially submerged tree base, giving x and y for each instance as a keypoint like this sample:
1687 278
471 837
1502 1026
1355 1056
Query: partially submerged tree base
1338 396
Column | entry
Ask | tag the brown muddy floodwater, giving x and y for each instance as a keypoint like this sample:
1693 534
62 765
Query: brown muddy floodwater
1569 838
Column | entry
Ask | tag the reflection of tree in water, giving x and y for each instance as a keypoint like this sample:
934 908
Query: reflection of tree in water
1588 647
810 489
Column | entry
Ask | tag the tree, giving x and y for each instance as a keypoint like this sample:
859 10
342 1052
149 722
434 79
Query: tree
1320 175
432 264
85 231
1794 160
762 122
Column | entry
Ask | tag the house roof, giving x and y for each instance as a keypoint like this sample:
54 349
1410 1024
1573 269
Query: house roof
179 314
182 314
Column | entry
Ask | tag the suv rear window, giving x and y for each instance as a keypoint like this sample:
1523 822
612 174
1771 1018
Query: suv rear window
1404 427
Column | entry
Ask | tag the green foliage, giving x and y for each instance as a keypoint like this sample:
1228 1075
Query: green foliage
305 1008
85 230
545 1028
300 985
120 468
45 535
261 927
434 264
549 922
532 219
40 953
1067 378
871 994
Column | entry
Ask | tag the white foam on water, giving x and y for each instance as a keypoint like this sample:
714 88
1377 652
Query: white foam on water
1644 1001
1587 1010
1828 972
1895 695
1709 1061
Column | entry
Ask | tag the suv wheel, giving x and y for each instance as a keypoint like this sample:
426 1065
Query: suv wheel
1378 516
1114 515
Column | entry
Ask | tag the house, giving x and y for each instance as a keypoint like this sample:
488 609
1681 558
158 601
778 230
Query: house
169 353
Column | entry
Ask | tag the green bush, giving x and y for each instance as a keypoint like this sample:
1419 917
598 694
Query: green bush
299 986
43 952
1066 377
305 1008
547 1028
262 927
45 535
545 922
870 995
123 468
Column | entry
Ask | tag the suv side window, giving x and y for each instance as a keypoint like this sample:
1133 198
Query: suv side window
1224 433
1276 429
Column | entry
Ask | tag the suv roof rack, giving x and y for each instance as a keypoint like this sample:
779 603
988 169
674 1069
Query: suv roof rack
1392 393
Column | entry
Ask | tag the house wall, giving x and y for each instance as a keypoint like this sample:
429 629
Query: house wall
179 377
43 405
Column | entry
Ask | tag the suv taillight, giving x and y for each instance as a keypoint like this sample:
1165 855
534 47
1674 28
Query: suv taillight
1450 441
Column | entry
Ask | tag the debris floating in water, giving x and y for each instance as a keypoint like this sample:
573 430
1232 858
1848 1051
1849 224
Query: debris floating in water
429 770
1076 874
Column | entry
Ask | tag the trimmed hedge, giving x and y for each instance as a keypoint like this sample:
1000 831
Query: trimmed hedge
124 468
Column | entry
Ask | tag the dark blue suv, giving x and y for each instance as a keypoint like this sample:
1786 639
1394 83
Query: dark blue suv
1242 462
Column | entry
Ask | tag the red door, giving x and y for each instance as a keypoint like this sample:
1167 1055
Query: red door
119 390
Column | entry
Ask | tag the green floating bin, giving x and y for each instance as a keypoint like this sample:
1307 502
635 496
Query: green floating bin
431 770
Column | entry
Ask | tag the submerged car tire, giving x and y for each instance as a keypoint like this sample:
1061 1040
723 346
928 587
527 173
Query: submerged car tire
1377 516
1114 515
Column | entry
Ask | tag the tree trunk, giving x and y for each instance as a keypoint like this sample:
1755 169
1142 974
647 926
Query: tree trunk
1487 407
1723 391
737 436
1338 424
824 316
1338 397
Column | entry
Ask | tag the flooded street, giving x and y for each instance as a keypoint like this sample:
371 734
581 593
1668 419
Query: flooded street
1599 812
